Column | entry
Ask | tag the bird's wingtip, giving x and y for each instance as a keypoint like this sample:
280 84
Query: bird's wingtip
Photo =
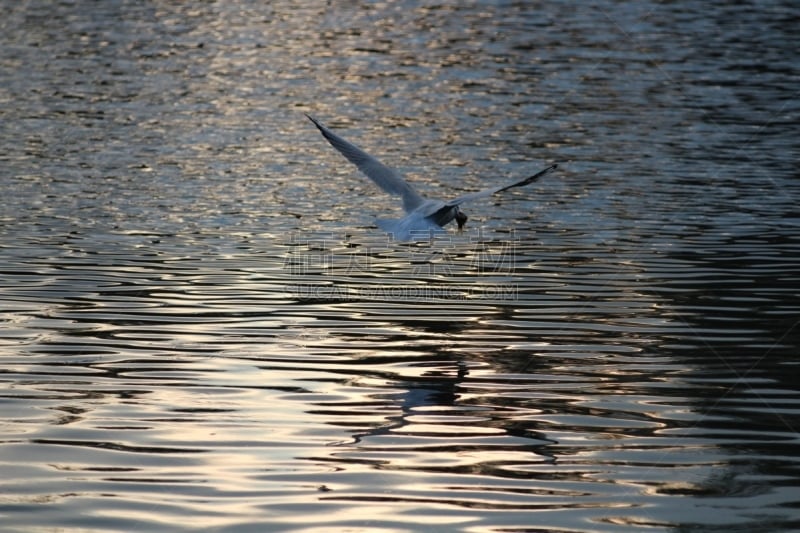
316 122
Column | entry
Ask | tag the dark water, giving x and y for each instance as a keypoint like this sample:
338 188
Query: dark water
202 330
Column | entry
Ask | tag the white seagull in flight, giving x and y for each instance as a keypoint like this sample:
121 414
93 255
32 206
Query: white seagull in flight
423 215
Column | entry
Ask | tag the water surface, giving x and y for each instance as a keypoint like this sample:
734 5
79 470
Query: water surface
203 330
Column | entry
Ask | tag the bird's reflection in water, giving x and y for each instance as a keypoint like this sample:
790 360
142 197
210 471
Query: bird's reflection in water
430 405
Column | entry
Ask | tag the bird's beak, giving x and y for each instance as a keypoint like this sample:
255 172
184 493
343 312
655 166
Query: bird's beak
461 219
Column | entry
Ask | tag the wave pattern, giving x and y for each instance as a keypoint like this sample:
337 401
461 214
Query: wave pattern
188 343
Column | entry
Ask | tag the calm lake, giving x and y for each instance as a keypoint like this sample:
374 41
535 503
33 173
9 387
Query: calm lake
201 328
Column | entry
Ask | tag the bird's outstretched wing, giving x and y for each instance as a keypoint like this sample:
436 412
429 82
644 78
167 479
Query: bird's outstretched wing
384 177
488 192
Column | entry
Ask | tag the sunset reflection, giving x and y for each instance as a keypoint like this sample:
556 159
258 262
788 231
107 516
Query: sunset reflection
203 327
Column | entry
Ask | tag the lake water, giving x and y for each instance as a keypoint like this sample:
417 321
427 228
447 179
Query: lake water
202 329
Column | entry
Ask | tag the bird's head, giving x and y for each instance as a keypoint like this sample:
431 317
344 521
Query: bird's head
461 219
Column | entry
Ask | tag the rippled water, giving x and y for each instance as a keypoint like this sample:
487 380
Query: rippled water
200 332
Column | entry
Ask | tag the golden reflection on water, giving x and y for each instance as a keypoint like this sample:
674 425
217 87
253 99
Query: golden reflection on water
202 327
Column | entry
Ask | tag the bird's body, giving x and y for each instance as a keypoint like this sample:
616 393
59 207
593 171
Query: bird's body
423 215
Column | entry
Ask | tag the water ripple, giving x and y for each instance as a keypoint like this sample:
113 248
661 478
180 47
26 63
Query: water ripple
200 332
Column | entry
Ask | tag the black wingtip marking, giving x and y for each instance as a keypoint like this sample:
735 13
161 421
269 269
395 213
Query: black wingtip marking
315 121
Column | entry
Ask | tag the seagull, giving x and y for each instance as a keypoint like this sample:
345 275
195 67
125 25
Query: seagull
424 216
